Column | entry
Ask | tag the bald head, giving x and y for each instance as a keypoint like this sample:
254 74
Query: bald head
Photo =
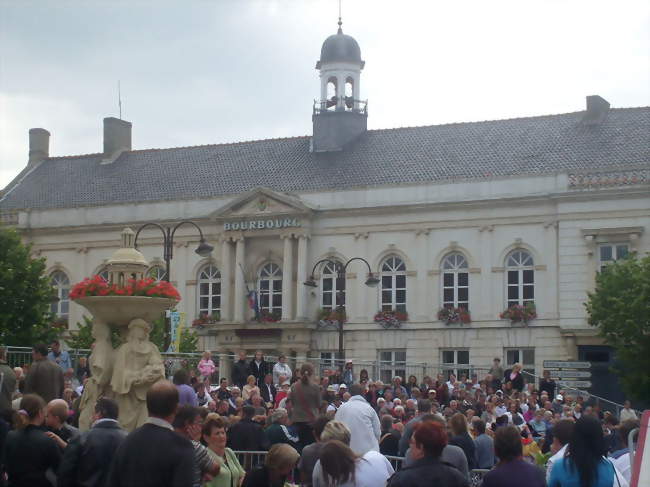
162 399
57 413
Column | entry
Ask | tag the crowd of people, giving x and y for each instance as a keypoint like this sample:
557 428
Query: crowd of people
337 428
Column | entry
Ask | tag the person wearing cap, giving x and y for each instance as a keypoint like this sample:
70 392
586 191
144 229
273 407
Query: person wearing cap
557 404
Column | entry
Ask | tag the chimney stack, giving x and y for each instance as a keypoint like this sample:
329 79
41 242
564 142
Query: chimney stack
117 136
39 145
597 108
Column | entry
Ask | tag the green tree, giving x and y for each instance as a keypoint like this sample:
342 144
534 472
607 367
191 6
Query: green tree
620 309
25 294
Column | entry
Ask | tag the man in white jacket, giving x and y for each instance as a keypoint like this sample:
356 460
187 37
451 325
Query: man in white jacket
362 420
281 369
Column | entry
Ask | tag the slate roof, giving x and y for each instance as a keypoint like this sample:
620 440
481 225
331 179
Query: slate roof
477 150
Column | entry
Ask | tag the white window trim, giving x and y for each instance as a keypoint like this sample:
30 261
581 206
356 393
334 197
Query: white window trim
615 256
447 369
60 288
270 292
527 367
211 297
393 289
334 291
395 367
520 279
455 287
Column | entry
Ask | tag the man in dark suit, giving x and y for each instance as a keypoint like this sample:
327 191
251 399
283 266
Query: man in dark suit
240 370
247 435
258 367
267 390
154 455
44 378
87 458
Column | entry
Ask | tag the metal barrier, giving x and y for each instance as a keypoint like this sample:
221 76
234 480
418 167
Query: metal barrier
396 462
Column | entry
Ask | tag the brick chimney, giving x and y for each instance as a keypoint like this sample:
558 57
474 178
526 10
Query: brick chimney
117 136
39 145
597 108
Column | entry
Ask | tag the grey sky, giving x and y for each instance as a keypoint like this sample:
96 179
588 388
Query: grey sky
202 72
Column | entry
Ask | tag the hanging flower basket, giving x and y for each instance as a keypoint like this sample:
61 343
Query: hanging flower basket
391 319
328 318
97 286
206 319
454 315
517 313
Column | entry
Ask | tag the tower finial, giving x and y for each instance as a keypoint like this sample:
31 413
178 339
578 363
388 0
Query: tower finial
340 31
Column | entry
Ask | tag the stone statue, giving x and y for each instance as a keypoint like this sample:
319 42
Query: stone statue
101 368
137 366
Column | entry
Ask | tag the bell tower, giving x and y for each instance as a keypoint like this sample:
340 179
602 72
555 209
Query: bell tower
339 116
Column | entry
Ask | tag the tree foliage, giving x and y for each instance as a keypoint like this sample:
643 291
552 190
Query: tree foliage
620 309
25 294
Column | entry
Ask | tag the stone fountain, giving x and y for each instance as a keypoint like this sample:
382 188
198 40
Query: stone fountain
125 373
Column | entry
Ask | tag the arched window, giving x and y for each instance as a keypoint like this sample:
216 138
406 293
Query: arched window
209 290
393 284
158 273
520 275
332 286
332 92
61 285
270 288
455 281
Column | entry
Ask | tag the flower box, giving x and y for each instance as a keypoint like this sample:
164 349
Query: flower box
391 319
97 286
454 315
270 316
206 319
517 313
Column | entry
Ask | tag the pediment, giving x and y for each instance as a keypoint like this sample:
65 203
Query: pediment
262 203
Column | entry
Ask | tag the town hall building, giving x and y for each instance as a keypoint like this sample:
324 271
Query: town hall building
415 239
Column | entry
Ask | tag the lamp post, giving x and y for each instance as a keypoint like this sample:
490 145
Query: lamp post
204 249
371 281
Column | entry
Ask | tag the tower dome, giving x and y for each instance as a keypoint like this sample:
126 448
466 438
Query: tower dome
340 47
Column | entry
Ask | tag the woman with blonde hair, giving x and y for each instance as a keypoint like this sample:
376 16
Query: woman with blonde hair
28 451
249 388
213 435
280 462
514 377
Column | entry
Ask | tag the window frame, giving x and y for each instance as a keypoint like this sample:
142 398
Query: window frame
271 292
330 359
394 366
396 271
614 252
210 281
452 367
526 367
161 273
337 295
458 268
521 268
60 308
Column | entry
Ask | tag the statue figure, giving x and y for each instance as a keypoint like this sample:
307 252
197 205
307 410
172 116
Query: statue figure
137 366
101 368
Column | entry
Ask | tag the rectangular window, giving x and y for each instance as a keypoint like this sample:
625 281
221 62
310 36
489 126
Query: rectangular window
524 356
329 360
455 362
608 253
391 364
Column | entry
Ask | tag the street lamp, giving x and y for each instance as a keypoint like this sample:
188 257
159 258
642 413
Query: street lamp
204 249
371 281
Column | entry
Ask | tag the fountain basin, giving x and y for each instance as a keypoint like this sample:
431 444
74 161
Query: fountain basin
118 311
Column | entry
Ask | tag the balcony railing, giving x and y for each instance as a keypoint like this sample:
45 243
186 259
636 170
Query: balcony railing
341 104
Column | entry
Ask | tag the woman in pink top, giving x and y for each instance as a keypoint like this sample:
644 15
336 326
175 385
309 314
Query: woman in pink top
206 366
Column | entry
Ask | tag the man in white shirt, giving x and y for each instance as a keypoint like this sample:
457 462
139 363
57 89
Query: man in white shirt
627 412
362 420
281 368
562 432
